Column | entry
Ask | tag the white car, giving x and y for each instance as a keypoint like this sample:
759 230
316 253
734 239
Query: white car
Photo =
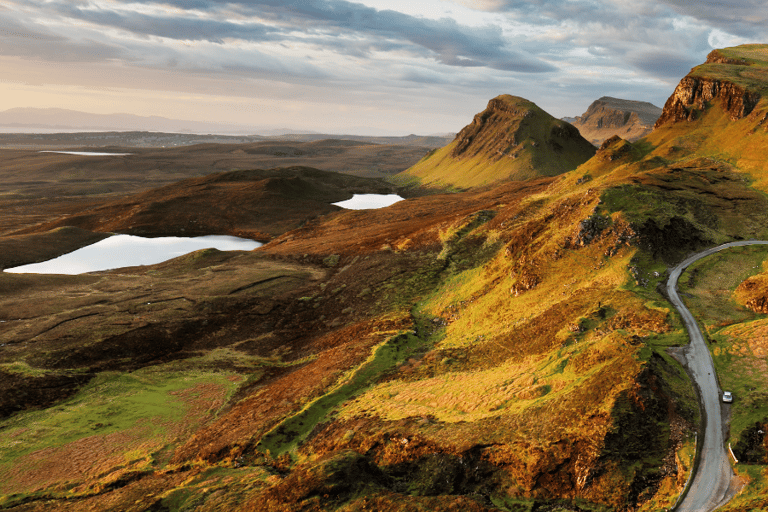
727 397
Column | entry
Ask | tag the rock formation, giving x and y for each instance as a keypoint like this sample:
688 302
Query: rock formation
512 139
700 88
606 117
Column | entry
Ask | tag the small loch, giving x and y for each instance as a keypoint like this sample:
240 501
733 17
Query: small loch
369 201
120 251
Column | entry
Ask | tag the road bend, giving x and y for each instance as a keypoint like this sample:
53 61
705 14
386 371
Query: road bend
711 485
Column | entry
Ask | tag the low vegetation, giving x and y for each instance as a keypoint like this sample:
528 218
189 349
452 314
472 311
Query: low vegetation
505 348
716 291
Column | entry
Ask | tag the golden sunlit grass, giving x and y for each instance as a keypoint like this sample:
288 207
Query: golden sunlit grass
715 136
507 389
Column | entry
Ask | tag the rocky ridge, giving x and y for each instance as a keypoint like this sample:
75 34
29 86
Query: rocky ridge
694 94
512 139
608 116
502 129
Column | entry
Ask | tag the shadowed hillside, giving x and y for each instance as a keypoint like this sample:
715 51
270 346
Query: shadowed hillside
40 187
256 204
512 139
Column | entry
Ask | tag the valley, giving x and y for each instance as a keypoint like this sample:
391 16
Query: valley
505 338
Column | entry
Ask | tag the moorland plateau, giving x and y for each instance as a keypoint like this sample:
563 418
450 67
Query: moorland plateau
501 340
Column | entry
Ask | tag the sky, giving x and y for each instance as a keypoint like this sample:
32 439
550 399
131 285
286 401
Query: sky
388 67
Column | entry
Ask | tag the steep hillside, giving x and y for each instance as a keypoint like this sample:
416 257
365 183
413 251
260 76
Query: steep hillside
606 117
512 139
720 112
494 349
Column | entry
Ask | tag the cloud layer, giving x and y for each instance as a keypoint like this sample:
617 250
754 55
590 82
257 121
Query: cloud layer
561 54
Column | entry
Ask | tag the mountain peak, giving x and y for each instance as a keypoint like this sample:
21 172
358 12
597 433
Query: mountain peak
610 116
512 139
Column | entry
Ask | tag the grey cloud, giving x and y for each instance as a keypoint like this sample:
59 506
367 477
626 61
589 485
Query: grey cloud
444 40
664 64
21 40
174 28
746 18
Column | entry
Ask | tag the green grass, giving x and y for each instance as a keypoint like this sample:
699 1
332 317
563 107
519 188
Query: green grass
110 403
743 373
216 488
748 67
148 408
737 335
22 368
531 504
708 285
291 432
754 496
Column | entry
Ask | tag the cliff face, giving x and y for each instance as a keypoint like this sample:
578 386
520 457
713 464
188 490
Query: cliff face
696 92
693 94
606 117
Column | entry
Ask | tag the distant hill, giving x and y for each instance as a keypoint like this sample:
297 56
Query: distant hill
56 126
47 119
512 139
430 141
606 117
257 204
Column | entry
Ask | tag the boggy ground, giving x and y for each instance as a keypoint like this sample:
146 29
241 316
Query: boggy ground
475 351
43 186
495 349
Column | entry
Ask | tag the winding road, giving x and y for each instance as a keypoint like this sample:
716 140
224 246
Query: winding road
712 485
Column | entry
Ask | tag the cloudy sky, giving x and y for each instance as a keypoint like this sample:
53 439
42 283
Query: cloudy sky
338 66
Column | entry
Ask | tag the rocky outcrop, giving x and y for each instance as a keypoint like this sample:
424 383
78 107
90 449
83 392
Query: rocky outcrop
505 125
693 95
608 117
716 57
512 139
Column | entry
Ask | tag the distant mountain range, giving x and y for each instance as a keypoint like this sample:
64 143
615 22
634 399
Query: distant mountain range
27 119
30 120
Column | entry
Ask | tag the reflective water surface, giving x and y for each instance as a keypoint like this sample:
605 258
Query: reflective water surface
369 201
127 251
86 153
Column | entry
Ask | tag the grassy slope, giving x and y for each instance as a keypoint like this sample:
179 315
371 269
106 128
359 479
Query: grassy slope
539 357
714 136
531 154
541 374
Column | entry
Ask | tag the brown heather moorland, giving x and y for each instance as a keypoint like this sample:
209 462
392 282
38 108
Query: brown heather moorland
502 348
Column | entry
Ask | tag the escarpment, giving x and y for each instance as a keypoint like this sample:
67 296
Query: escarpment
607 117
697 91
693 94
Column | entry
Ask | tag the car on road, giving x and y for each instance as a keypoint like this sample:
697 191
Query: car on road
727 397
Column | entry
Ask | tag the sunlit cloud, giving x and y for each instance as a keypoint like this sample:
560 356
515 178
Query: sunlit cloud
437 58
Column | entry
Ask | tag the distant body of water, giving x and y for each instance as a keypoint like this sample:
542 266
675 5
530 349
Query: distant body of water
120 251
86 153
369 201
